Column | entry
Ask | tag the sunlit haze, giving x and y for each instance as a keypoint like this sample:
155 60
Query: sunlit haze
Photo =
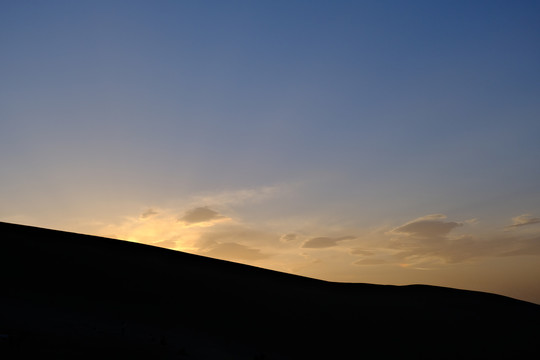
389 142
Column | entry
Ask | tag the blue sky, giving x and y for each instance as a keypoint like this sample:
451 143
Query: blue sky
279 122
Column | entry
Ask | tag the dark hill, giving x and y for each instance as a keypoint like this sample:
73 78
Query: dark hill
71 296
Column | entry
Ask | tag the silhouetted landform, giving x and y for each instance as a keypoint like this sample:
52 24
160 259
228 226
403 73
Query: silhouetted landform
71 296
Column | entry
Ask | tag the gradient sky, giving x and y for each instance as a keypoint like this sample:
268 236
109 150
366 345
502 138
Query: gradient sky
390 142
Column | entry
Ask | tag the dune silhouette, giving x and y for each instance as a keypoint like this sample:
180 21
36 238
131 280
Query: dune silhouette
73 296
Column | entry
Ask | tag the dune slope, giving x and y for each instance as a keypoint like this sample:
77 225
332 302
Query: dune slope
68 295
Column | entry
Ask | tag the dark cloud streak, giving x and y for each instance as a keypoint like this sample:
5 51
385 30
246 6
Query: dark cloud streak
426 228
200 214
324 242
148 213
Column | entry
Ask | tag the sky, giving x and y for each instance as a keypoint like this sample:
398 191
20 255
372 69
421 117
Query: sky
390 142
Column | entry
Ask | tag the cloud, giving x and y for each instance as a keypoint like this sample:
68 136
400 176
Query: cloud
463 248
228 240
358 251
236 242
233 251
444 250
200 214
525 246
427 239
472 221
430 226
239 197
430 241
370 261
236 233
148 213
288 237
162 229
523 220
324 242
168 244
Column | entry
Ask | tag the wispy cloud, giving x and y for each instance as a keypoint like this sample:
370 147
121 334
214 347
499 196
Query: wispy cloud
148 213
237 232
233 251
358 251
168 244
371 261
429 226
199 215
238 197
425 242
523 220
199 230
324 242
160 228
430 240
522 246
288 237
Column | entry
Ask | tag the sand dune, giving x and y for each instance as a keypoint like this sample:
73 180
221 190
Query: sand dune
72 296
